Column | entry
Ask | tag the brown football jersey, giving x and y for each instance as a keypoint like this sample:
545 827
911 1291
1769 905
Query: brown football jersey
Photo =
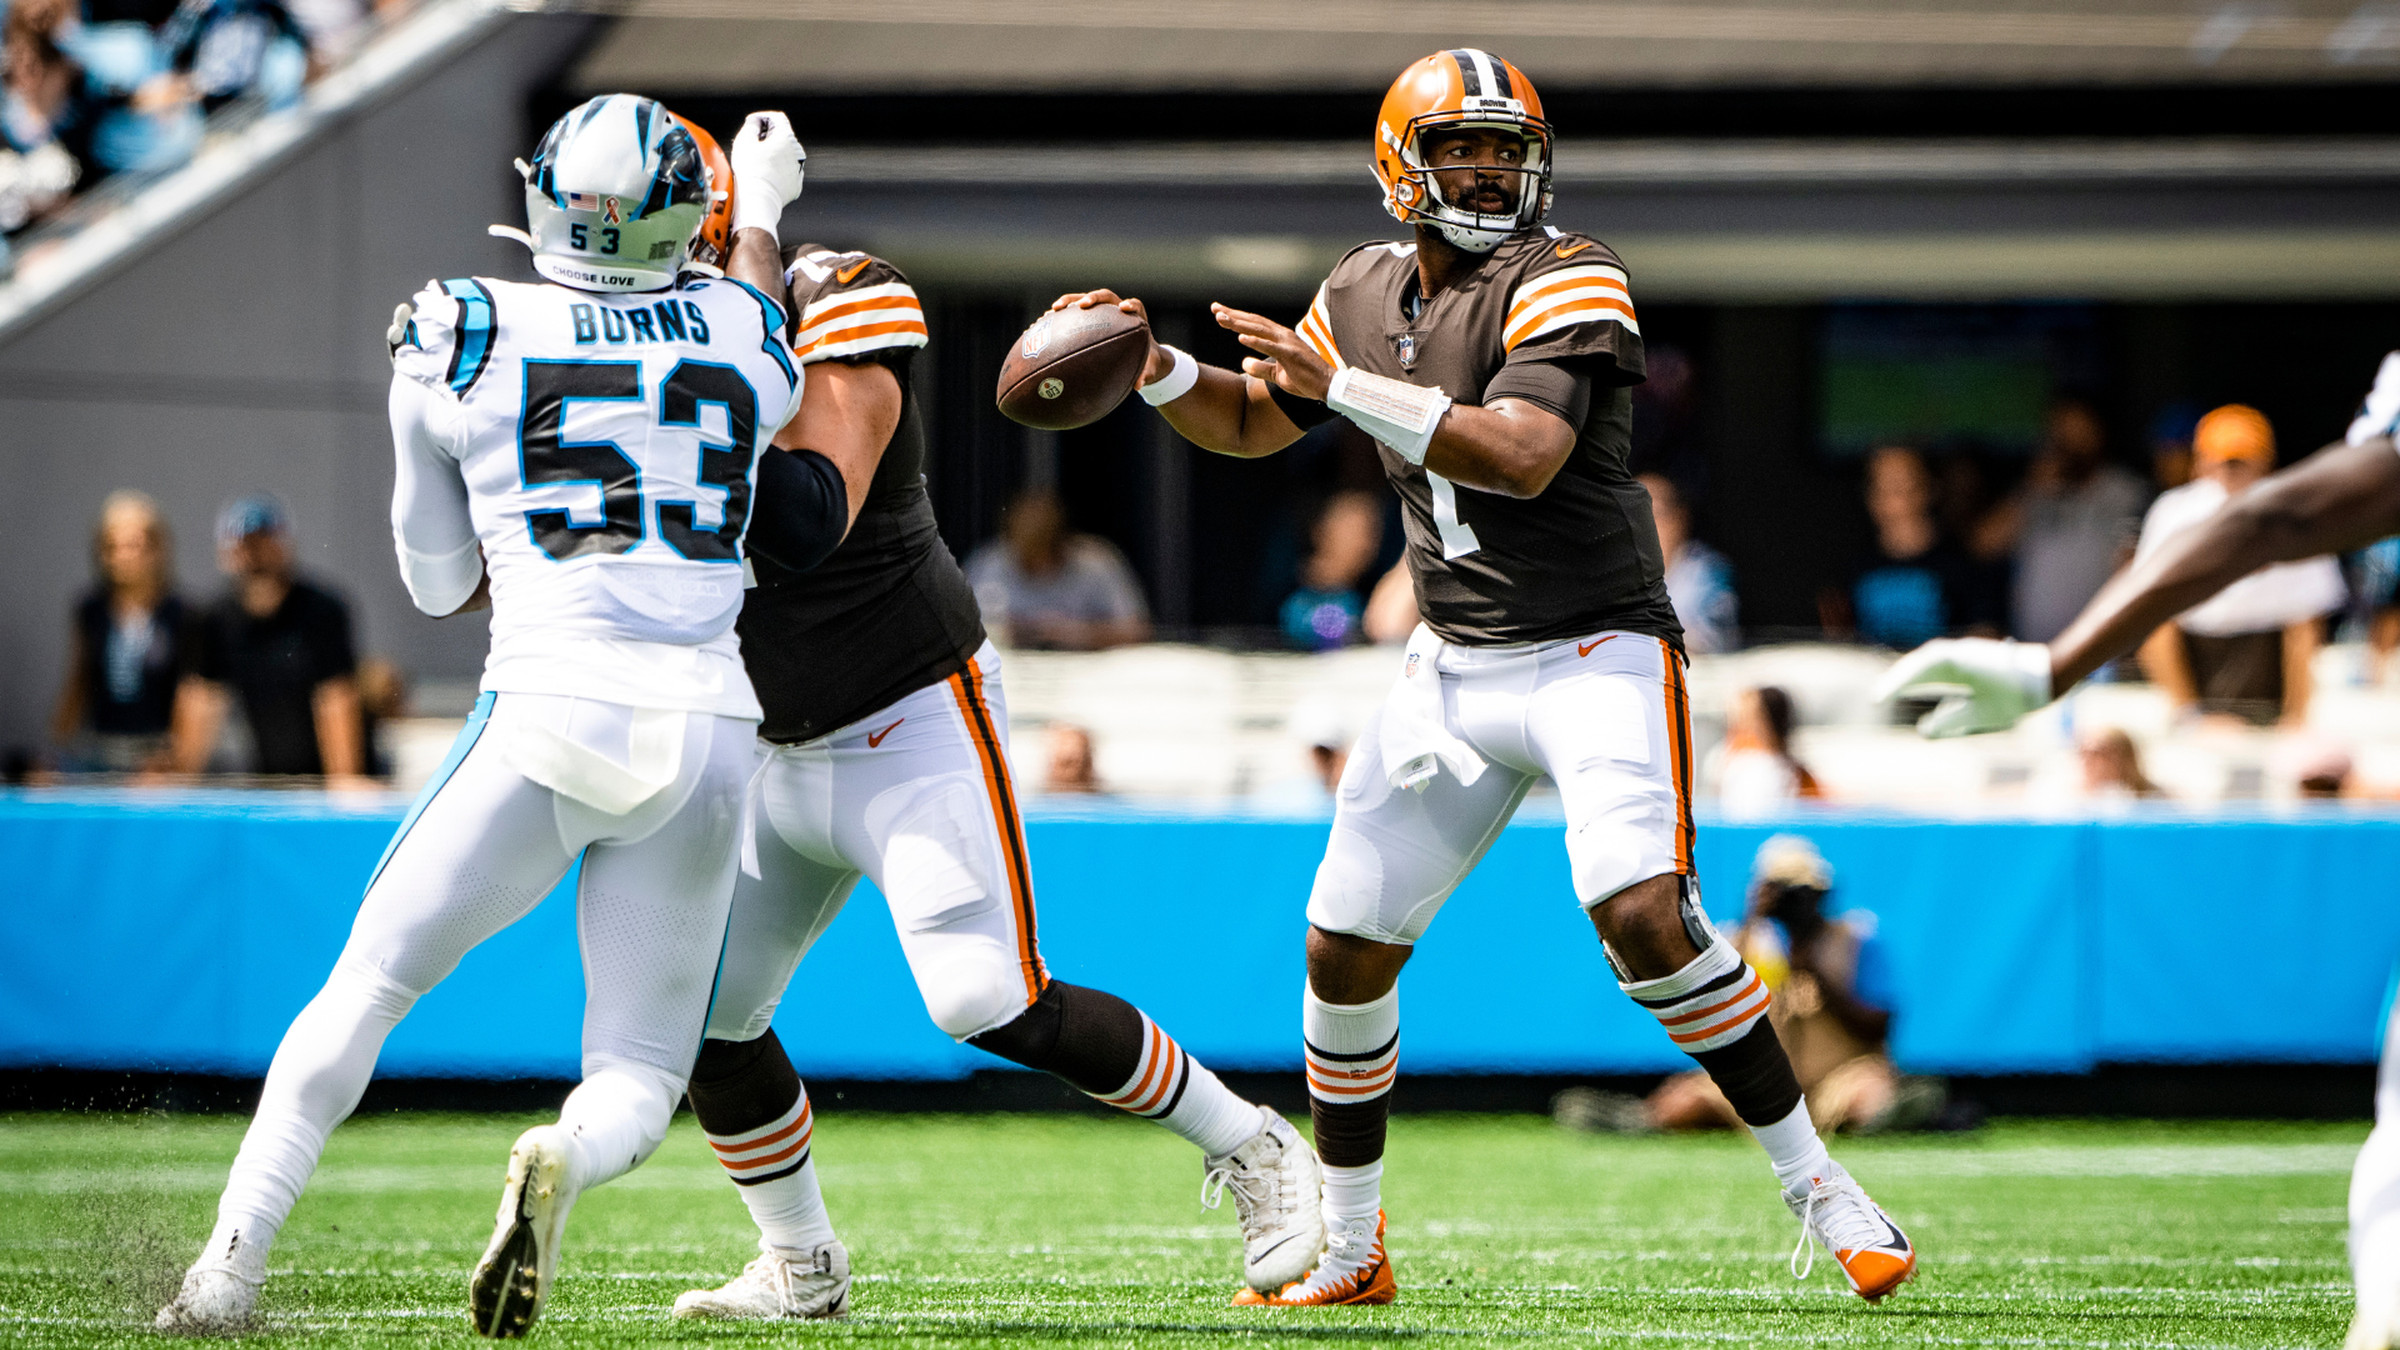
889 612
1545 318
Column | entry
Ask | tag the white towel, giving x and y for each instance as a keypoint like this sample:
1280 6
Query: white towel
1413 737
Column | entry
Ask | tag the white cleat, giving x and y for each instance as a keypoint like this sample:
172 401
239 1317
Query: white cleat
772 1288
1273 1177
1875 1256
506 1291
216 1299
2370 1329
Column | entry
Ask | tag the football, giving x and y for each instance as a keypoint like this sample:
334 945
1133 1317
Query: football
1073 367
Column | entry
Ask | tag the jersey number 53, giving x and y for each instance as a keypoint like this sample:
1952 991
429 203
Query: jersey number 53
547 458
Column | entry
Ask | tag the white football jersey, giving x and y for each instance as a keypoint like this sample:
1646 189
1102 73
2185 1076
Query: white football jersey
608 446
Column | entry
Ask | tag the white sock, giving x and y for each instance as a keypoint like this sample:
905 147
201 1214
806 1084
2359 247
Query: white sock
319 1072
1178 1091
1353 1193
1793 1148
776 1172
616 1118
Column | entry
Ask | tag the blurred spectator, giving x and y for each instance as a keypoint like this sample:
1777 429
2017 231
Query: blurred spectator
1322 725
2171 445
1915 584
1391 613
2312 766
132 645
1071 770
1832 1009
2069 526
1699 580
2112 766
280 645
2247 651
38 88
2373 574
1324 612
1048 587
220 50
382 697
1758 775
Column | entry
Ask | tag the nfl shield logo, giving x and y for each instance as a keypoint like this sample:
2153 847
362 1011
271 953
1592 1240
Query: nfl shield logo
1406 345
1409 671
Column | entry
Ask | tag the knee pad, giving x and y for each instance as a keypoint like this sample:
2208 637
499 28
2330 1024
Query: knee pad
971 987
644 1092
380 994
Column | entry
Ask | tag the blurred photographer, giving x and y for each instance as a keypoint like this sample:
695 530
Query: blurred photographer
1832 1010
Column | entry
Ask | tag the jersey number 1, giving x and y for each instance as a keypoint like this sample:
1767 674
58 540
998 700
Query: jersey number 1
547 458
1458 537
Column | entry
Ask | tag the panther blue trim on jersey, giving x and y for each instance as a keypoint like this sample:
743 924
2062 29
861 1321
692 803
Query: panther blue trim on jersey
776 319
467 737
471 346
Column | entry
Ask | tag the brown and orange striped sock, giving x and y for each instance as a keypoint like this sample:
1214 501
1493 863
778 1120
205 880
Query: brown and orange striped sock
750 1101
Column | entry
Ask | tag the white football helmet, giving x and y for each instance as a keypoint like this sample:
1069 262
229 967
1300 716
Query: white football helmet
614 197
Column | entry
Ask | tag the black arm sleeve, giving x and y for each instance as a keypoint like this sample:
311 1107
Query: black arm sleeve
802 509
1306 413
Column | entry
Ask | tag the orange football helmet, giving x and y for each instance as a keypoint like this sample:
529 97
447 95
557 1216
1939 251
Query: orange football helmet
715 240
1463 87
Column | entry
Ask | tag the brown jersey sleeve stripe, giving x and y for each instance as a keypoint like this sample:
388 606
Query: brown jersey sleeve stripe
1679 749
967 687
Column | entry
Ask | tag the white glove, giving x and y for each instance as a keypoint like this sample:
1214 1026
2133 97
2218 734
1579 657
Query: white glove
1984 684
767 167
402 316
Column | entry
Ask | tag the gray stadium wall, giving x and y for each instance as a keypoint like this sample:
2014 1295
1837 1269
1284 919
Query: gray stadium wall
246 353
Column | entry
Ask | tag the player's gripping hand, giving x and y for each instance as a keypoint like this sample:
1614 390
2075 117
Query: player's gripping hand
1283 360
1156 365
768 165
1983 684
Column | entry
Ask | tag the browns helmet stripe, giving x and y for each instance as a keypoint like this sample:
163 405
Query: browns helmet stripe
1470 77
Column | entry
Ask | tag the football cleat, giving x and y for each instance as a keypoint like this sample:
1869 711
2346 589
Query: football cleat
506 1291
1353 1270
772 1287
218 1293
1875 1256
1273 1177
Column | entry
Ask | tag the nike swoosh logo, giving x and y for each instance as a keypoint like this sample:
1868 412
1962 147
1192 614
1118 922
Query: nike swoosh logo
1585 648
1277 1243
875 738
1564 251
843 277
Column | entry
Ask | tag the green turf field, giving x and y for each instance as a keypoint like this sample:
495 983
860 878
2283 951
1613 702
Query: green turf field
1063 1231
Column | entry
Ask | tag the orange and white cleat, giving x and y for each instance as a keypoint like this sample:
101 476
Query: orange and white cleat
1353 1270
1875 1256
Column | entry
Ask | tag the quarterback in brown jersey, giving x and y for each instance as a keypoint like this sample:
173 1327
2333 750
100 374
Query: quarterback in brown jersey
1491 357
882 755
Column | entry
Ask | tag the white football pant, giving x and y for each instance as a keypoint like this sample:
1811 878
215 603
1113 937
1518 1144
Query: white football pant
1604 717
917 799
481 848
2375 1198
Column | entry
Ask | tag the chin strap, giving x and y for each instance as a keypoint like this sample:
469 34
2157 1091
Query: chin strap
509 232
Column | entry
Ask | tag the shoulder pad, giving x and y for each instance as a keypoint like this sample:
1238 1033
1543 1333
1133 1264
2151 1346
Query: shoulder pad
850 304
447 341
1560 281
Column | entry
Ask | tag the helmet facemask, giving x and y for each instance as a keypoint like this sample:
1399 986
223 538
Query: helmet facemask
1422 193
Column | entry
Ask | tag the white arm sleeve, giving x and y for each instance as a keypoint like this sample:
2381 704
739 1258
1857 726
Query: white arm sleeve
431 528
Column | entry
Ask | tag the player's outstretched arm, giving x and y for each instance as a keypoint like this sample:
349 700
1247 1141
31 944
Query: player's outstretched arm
1228 412
768 167
2341 498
